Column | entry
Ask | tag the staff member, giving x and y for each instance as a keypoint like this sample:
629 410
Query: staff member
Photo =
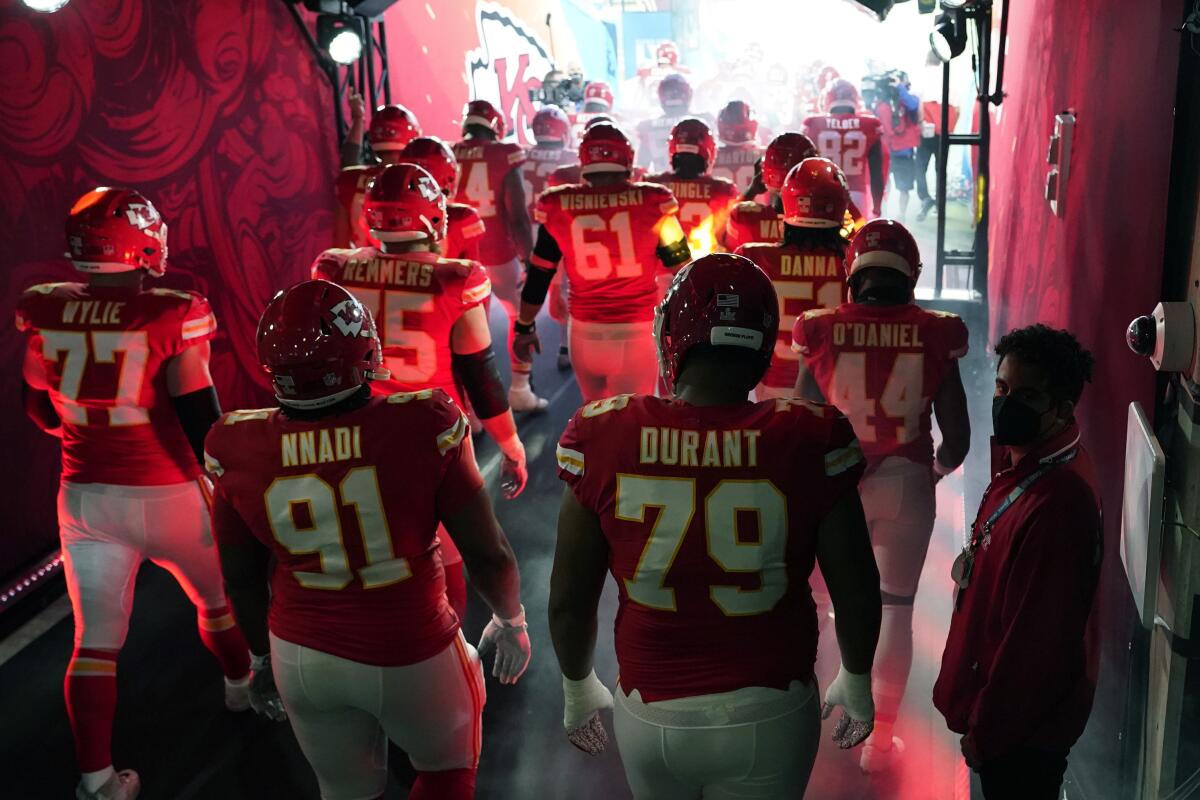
1019 669
902 137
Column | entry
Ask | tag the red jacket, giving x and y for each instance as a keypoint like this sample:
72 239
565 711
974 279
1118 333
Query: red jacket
1019 668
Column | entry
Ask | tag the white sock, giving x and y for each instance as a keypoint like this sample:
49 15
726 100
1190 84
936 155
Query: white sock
92 781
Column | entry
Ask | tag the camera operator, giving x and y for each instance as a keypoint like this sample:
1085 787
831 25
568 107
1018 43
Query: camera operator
561 89
898 110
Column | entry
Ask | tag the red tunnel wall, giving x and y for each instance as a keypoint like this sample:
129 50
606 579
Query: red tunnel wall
1092 271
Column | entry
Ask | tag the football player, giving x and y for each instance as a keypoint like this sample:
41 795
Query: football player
609 232
392 127
852 139
710 512
750 221
597 102
704 200
464 228
491 184
888 364
435 328
739 151
806 266
119 373
552 131
675 98
344 490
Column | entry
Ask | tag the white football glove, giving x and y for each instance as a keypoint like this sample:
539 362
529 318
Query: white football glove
264 697
853 693
582 702
510 639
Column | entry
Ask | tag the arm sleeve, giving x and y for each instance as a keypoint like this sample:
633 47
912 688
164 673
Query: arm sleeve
1045 603
197 411
876 169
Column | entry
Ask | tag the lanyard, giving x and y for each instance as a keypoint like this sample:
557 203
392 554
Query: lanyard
964 565
1015 495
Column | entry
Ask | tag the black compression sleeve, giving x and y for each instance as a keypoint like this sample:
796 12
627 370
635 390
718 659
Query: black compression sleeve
40 408
878 179
672 255
197 411
537 283
546 248
479 378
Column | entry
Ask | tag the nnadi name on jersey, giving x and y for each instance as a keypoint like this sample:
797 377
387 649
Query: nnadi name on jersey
92 312
877 334
687 448
810 266
321 446
388 270
578 201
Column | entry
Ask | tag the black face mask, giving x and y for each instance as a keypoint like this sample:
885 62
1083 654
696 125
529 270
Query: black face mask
1015 423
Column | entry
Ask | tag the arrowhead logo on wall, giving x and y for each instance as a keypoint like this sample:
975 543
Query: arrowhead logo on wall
509 62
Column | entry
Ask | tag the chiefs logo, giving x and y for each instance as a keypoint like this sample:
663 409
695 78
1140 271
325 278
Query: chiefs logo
509 62
872 239
141 216
347 316
429 189
804 205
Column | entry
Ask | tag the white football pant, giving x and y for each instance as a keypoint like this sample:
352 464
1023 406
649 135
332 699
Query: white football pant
107 530
611 358
750 743
343 712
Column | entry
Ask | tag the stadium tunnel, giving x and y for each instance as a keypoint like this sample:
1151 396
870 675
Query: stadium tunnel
1063 184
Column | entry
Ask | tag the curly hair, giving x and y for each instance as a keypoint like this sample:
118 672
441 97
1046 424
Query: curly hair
1057 353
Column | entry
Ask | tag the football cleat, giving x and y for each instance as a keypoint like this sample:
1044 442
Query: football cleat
522 398
123 785
564 359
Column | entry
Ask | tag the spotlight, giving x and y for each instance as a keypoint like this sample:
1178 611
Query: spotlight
339 35
45 6
949 36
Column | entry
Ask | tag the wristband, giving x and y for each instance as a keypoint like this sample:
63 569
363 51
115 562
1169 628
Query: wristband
522 328
516 622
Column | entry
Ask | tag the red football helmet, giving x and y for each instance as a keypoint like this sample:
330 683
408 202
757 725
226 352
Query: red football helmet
599 93
736 123
116 230
692 135
481 112
784 152
435 157
404 203
392 127
666 54
318 343
719 299
884 243
815 195
840 93
674 90
550 124
605 149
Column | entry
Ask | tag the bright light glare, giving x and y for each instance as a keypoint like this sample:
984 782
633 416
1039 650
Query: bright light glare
46 6
940 45
345 47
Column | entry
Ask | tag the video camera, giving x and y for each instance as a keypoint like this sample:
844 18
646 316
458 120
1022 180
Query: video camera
881 88
559 89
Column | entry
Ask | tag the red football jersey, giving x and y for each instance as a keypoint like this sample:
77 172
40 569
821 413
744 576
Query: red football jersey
804 280
484 165
845 139
565 175
541 163
609 236
882 366
415 298
752 222
349 505
711 517
464 232
105 352
704 206
735 162
351 188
